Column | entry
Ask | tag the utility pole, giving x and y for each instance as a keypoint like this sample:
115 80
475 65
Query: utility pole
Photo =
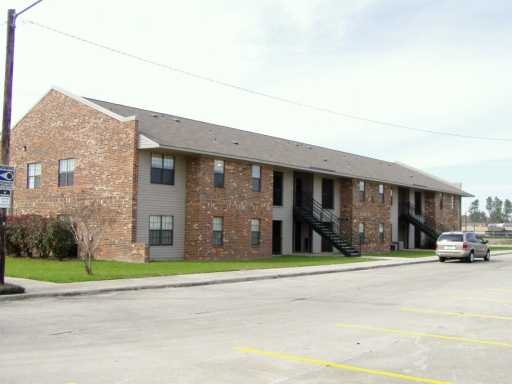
6 119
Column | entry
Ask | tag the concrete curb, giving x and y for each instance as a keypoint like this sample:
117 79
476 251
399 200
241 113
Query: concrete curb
279 275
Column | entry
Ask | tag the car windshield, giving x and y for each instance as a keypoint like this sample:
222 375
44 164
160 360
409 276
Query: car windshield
450 237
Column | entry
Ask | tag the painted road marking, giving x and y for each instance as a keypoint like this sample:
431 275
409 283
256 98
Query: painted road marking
345 367
429 335
456 314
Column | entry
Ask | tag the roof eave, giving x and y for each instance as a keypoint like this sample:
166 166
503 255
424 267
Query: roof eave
146 142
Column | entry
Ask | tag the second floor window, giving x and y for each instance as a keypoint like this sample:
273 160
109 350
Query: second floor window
66 172
33 175
161 230
381 233
162 169
381 193
256 178
328 193
217 231
278 189
361 190
255 232
218 173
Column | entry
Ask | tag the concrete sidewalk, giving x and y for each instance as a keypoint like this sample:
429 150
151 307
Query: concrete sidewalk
36 289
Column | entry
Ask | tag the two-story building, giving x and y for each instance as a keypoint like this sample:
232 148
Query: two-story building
186 189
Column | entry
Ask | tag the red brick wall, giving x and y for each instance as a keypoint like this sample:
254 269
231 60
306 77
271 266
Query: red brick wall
236 203
60 127
447 218
372 212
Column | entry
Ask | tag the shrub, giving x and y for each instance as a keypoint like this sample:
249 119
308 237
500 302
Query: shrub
38 236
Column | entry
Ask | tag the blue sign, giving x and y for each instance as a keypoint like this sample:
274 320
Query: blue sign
6 177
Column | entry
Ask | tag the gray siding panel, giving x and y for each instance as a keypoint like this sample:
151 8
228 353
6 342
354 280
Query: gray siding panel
156 199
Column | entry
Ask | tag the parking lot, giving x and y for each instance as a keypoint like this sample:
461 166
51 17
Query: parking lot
432 323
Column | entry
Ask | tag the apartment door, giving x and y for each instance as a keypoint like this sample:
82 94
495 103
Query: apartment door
418 210
277 237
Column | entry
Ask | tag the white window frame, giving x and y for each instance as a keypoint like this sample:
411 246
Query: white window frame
255 228
34 173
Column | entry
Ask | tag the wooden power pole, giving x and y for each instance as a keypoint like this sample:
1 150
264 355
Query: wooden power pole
6 125
6 119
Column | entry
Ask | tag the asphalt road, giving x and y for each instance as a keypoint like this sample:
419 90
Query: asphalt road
432 323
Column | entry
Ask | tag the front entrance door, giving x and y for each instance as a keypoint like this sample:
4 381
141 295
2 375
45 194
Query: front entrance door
277 239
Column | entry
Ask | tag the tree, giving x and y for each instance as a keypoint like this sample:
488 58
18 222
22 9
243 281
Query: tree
474 211
489 205
89 218
498 210
507 210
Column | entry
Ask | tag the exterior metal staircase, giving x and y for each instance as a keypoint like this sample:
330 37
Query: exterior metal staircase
408 213
326 224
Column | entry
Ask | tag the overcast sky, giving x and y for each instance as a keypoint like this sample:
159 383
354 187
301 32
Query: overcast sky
439 65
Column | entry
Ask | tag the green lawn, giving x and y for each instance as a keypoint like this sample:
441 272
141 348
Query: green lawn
500 248
73 271
411 254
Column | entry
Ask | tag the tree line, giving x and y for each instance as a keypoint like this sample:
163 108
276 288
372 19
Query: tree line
496 211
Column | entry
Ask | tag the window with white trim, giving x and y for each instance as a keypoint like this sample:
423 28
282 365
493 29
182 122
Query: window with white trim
217 231
66 172
218 173
361 232
255 232
162 169
161 230
381 233
34 175
256 178
361 186
381 193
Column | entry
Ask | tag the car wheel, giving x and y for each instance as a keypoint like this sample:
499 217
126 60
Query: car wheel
488 256
471 257
442 259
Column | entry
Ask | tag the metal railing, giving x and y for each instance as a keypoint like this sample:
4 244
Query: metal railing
324 215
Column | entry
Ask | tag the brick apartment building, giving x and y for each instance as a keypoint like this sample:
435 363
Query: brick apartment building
185 189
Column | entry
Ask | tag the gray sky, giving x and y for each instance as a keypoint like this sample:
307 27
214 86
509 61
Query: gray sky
440 65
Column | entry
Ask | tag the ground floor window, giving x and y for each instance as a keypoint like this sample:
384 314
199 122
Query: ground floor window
161 230
218 231
361 232
381 233
255 232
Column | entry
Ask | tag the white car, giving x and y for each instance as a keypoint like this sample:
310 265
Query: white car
465 246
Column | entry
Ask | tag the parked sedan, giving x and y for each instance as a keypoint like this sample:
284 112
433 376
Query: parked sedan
462 245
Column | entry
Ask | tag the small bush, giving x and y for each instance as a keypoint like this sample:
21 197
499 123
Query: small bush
38 236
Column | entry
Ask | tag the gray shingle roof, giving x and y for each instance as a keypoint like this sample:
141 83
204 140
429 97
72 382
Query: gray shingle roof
199 137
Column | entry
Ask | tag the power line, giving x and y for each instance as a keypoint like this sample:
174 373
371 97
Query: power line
263 94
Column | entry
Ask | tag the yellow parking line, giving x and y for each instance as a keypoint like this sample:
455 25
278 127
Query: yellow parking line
455 314
346 367
430 335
